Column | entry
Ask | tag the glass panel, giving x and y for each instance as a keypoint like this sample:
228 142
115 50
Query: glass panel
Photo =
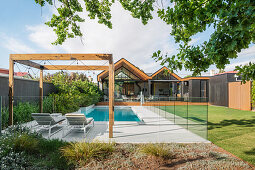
164 75
203 88
124 74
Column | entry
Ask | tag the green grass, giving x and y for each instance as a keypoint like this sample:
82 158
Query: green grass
192 117
233 130
194 113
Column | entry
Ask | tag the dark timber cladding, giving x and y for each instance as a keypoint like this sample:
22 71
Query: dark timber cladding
195 88
25 59
24 87
219 88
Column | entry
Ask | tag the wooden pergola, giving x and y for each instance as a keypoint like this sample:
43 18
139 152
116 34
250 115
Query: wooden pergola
25 59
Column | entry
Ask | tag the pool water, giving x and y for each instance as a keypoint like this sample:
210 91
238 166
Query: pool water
120 114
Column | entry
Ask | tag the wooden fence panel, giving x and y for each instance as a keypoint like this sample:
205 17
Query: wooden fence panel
239 95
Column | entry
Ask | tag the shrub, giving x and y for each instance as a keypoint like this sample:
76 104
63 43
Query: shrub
48 104
81 152
73 91
26 143
158 150
13 160
21 113
23 149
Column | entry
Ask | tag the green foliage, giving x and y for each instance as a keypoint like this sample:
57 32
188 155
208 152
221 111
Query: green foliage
21 113
48 104
73 92
81 152
187 76
158 150
232 22
247 71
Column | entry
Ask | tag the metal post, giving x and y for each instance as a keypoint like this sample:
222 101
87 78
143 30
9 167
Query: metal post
207 123
165 110
187 115
174 112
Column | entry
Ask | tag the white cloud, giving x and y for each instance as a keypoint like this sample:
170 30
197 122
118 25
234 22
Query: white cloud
193 41
43 36
232 66
14 45
128 39
247 52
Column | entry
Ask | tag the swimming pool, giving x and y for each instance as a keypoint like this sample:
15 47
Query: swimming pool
120 114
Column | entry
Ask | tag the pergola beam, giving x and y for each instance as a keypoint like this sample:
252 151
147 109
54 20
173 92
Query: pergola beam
60 56
76 67
29 63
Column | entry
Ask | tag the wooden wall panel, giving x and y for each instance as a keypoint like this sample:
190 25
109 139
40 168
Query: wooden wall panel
239 95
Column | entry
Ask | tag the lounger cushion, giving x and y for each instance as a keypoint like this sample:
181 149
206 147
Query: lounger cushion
46 119
77 119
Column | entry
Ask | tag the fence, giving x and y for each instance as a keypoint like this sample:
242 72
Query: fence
239 95
190 115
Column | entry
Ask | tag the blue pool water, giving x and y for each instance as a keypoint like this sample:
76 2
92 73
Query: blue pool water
120 114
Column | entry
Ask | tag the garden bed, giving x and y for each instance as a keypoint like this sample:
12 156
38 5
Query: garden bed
180 156
22 149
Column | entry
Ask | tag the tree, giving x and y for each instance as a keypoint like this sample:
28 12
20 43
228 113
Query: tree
233 22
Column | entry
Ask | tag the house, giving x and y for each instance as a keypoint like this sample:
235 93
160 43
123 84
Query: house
17 74
130 81
226 89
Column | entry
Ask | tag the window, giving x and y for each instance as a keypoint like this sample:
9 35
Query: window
203 88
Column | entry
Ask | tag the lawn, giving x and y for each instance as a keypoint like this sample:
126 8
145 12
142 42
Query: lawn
233 130
191 117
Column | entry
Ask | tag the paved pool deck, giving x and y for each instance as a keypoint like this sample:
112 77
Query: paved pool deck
153 129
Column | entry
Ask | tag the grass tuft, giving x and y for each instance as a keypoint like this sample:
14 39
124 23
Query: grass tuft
82 152
158 150
25 142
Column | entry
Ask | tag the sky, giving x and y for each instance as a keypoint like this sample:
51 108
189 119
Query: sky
22 30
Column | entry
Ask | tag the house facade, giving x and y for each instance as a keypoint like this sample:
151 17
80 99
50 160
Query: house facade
131 82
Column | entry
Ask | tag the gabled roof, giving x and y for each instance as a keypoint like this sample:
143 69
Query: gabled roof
135 70
165 68
132 68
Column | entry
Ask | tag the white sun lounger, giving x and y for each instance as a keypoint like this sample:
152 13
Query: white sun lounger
48 121
77 121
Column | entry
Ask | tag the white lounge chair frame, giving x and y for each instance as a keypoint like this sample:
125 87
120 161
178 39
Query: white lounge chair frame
46 121
77 121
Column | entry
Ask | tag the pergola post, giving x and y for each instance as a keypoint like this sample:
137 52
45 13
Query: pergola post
41 91
111 98
11 91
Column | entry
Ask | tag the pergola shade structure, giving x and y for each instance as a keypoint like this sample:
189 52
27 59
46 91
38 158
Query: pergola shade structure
25 59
